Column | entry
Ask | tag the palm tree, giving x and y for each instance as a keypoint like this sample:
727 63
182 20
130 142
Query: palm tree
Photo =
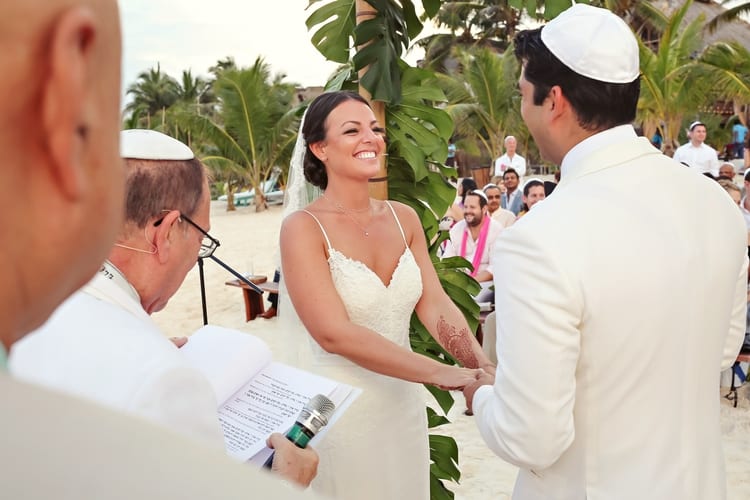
483 100
254 130
153 92
729 15
728 66
671 86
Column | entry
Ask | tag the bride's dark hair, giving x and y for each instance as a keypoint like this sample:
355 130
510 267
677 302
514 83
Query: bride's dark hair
314 130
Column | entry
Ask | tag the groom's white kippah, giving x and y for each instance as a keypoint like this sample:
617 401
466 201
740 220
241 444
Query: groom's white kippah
143 144
594 43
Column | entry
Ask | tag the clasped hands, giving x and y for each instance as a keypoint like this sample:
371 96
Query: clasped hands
466 379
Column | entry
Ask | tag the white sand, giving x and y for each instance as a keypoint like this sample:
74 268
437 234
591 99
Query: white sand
250 244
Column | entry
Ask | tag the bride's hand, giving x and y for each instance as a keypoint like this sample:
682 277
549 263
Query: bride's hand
453 377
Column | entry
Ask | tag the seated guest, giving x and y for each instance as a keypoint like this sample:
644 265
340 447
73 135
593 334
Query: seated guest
101 343
533 193
726 171
473 238
731 188
456 211
511 199
494 194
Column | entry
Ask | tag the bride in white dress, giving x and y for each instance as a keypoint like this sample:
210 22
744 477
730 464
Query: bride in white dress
355 269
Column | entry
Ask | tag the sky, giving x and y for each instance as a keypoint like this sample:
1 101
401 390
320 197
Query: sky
194 34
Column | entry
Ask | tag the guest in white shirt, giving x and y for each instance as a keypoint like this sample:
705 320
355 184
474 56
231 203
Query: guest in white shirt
510 159
696 154
494 194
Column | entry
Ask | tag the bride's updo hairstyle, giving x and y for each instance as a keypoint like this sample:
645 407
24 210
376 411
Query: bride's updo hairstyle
314 130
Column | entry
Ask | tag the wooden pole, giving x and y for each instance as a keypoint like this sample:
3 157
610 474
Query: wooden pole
379 184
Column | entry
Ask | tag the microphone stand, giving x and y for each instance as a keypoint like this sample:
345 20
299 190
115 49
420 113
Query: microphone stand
237 275
203 291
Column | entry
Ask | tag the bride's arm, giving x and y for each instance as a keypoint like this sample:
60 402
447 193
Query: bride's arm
435 309
319 307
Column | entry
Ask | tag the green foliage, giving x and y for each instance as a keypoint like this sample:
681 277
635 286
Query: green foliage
732 14
484 102
673 84
254 129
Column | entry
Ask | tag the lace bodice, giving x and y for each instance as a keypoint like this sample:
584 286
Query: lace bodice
370 303
385 309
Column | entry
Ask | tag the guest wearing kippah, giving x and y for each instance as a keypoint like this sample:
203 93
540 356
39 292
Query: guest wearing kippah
696 153
609 354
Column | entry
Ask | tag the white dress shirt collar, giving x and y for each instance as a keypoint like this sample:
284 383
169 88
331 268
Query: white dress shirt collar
594 143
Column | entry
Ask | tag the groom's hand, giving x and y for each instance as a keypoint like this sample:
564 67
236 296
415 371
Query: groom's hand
469 390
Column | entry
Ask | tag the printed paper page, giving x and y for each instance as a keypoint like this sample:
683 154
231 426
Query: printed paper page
270 403
228 358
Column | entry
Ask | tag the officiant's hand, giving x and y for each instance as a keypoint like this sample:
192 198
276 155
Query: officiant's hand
469 390
299 465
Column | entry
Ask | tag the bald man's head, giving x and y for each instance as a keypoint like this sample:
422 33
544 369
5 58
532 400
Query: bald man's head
61 185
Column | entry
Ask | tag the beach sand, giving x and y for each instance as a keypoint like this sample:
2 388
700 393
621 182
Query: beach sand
249 244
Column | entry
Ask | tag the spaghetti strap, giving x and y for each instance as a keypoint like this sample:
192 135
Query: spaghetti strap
403 236
328 242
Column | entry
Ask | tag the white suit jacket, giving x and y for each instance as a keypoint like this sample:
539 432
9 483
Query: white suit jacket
100 344
619 300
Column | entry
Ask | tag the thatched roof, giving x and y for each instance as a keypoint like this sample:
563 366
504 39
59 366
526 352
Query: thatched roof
738 30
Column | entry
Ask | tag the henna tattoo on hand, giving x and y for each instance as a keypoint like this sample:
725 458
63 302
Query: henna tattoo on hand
457 343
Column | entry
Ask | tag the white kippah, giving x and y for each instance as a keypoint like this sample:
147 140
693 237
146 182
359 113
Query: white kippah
594 43
533 179
479 192
142 144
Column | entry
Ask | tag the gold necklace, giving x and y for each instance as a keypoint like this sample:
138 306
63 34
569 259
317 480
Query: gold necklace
350 213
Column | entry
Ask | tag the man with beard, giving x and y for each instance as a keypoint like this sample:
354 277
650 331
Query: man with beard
511 199
473 239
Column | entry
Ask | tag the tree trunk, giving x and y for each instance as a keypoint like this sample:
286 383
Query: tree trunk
260 200
379 184
230 198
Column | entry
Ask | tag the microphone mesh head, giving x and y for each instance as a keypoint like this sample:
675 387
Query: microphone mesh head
315 414
322 406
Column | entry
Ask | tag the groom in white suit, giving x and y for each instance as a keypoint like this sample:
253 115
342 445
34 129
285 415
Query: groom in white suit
614 320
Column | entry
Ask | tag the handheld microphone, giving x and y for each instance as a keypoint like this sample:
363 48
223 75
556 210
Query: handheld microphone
313 417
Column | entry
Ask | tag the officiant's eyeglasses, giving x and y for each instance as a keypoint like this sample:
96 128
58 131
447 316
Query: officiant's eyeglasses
209 244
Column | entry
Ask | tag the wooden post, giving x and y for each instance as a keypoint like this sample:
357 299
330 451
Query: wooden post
379 184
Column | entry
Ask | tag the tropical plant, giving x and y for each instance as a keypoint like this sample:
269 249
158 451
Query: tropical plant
483 100
727 64
671 88
153 92
253 131
732 14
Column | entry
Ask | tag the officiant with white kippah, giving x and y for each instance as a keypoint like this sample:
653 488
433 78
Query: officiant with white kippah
101 343
614 320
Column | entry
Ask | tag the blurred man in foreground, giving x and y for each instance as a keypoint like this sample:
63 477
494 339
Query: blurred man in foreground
61 196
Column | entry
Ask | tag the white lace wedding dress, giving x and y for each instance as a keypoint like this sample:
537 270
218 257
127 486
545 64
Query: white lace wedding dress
378 449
